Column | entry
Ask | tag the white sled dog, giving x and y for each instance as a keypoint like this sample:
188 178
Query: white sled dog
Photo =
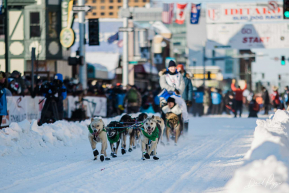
97 133
150 134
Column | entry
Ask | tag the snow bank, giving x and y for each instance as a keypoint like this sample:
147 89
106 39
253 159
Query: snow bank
24 135
266 167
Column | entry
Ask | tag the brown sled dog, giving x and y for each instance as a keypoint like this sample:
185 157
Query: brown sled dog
173 126
97 133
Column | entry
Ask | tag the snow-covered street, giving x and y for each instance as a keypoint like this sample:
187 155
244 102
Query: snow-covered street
204 161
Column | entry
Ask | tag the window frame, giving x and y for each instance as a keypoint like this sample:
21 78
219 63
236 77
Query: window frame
34 25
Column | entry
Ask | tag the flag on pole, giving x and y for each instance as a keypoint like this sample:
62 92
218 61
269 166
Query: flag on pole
195 13
120 43
180 16
112 38
168 13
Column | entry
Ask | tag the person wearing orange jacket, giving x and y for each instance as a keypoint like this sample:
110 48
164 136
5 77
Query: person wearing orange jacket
238 97
276 99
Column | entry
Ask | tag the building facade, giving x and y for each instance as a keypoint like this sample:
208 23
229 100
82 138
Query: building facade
110 8
37 25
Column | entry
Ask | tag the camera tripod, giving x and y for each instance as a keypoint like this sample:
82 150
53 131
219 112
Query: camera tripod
49 112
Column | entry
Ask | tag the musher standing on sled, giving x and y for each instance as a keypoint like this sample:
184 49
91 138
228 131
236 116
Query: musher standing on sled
172 81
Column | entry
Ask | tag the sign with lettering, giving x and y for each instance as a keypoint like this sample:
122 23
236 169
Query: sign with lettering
242 12
247 36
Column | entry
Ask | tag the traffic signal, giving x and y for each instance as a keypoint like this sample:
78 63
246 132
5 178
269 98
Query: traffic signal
283 60
93 32
74 61
286 9
209 75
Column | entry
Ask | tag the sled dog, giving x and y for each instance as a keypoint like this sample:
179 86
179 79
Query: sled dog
161 123
97 134
173 126
150 135
114 131
126 121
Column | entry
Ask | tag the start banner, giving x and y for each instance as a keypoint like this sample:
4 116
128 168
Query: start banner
243 12
248 36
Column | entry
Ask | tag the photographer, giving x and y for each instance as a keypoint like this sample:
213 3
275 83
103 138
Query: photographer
54 92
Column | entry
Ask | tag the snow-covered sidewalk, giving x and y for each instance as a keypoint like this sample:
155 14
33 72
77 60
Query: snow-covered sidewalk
58 158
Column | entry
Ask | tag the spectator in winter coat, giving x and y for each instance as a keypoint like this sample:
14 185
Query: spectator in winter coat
171 79
276 99
253 107
216 101
266 100
17 76
188 91
231 103
226 102
286 97
221 105
3 100
199 100
132 100
238 97
207 101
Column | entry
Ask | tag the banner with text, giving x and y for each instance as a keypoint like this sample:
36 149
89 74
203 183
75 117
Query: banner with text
242 12
247 36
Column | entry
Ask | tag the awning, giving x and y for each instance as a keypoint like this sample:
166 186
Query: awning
145 68
103 62
97 71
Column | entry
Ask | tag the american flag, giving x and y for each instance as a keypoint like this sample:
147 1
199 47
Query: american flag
168 13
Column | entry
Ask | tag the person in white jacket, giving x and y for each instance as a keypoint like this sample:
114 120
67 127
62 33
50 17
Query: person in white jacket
172 81
172 107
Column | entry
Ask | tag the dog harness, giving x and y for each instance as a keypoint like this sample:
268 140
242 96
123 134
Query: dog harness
92 132
153 136
113 139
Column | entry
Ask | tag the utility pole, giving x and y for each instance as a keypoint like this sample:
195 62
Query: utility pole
204 66
125 48
6 36
32 68
83 68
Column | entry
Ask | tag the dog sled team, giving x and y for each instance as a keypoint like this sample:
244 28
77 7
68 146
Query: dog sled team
144 130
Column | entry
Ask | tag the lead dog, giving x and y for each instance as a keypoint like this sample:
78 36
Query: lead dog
150 135
97 134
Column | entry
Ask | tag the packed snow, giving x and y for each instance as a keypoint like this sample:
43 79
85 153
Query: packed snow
217 155
266 163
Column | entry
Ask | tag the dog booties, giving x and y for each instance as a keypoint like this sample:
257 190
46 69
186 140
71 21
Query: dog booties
153 136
